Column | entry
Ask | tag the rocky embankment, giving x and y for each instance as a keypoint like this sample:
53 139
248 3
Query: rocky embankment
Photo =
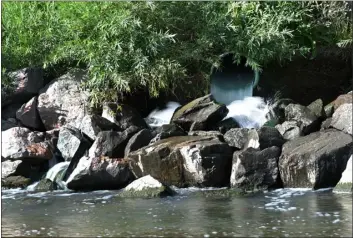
43 125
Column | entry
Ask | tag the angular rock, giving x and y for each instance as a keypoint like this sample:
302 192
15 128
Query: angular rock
269 136
316 160
317 108
25 84
147 187
123 116
45 185
306 120
342 99
28 115
15 182
329 110
203 111
137 141
62 101
289 130
72 143
91 125
253 169
9 167
277 109
184 161
19 143
326 124
226 124
242 138
111 143
342 118
166 131
215 134
100 173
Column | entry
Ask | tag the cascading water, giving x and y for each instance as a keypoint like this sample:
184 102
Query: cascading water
55 174
160 117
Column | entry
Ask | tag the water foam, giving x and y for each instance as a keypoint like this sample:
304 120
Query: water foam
249 113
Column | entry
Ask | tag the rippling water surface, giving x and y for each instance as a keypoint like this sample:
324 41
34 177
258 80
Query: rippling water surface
194 212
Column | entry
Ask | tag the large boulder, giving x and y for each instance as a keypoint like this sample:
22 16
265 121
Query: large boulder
185 161
123 116
307 121
289 130
269 136
72 143
147 187
25 84
255 169
111 143
317 108
21 143
342 118
277 109
62 101
316 160
166 131
9 167
242 138
28 115
137 141
342 99
202 114
91 125
97 173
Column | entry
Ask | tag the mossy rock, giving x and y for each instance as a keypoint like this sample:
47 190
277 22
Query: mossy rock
45 185
147 187
15 182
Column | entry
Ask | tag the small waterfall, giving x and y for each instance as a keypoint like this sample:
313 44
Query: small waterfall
249 112
158 118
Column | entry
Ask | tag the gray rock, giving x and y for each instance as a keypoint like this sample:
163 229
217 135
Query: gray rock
137 141
253 169
146 187
317 108
62 101
306 120
277 109
326 124
21 143
203 111
111 143
215 134
25 84
342 99
269 136
28 115
45 185
342 118
123 116
316 160
226 124
184 161
72 143
91 125
166 131
9 167
100 173
289 130
329 110
242 138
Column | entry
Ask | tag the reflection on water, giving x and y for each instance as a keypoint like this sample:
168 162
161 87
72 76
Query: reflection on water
284 212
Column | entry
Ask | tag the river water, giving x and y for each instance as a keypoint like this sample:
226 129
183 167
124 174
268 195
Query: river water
193 212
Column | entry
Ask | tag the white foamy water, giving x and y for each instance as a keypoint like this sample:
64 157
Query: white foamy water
347 174
57 172
249 113
161 117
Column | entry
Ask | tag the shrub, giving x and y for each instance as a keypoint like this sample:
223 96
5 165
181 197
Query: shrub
164 45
